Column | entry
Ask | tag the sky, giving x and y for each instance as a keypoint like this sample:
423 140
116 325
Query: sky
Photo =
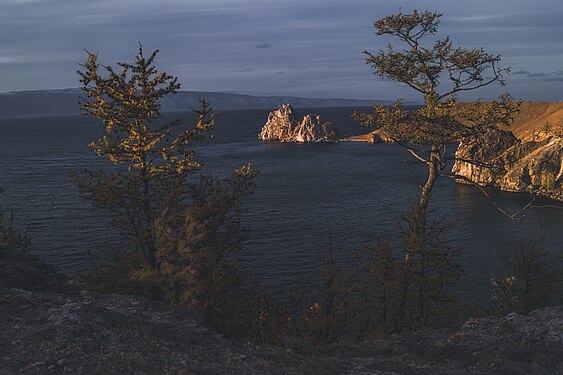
309 48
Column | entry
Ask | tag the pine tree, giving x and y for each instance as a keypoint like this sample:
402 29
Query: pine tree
155 155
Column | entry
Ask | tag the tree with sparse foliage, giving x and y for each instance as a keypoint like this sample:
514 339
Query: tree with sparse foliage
438 71
156 154
180 232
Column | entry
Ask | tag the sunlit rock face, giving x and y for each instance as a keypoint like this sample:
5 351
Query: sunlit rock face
523 166
379 136
487 148
282 126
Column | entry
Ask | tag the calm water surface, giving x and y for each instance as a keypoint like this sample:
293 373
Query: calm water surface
359 189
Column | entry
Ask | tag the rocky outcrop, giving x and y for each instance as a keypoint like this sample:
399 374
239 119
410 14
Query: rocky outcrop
86 333
70 332
376 136
487 148
379 136
510 164
282 126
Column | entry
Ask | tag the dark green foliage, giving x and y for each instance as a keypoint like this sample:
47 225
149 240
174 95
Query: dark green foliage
251 315
180 231
530 278
10 239
194 247
430 266
156 154
408 292
323 316
379 290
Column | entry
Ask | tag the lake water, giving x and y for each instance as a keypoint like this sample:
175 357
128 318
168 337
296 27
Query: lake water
359 189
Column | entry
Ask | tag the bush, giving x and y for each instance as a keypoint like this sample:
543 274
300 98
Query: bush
529 279
10 239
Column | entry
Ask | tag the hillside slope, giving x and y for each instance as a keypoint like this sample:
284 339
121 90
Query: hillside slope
534 116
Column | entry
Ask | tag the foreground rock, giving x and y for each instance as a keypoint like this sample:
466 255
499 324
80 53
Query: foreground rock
28 272
533 166
282 126
50 333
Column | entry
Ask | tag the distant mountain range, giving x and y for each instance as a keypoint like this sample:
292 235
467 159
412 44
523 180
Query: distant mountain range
64 102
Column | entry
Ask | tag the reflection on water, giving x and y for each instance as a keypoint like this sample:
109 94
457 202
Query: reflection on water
360 189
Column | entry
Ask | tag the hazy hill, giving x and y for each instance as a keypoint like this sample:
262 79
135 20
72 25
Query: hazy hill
62 102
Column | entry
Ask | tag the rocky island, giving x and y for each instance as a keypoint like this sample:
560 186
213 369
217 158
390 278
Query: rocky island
528 158
282 126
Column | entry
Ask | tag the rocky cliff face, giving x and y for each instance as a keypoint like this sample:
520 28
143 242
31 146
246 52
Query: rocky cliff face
282 126
534 166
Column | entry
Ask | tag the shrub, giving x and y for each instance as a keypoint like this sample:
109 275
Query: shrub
529 279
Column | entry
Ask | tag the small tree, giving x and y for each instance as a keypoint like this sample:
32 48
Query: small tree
380 291
529 279
156 154
324 315
193 248
10 239
399 293
441 121
181 231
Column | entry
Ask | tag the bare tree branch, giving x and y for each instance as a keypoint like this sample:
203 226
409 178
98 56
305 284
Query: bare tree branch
513 216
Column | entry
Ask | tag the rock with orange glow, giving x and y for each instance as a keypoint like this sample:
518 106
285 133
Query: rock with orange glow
282 126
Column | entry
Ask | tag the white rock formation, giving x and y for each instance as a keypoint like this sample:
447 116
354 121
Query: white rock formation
282 126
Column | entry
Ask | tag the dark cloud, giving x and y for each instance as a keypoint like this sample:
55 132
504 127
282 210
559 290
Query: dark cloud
263 45
215 44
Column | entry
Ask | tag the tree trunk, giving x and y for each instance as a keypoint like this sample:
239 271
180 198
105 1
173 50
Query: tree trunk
146 207
418 230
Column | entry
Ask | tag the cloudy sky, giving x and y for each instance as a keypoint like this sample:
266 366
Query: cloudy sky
310 48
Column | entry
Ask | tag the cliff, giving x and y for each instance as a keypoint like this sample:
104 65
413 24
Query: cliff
282 126
529 158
